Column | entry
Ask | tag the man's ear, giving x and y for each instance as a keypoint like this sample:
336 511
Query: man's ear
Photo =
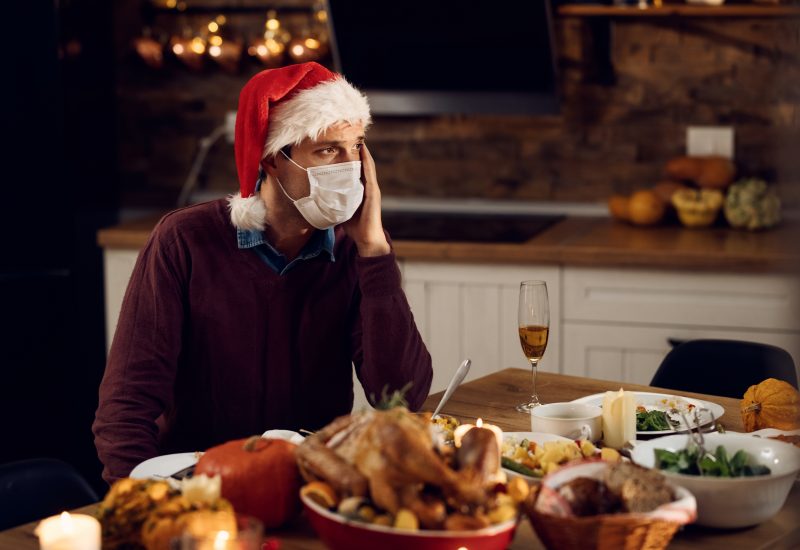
268 165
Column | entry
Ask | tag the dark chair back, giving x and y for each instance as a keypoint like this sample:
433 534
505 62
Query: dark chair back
37 488
723 367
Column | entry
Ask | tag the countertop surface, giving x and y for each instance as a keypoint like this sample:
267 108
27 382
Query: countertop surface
586 241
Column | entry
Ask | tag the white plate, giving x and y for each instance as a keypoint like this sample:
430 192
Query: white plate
539 438
663 401
160 467
164 466
767 432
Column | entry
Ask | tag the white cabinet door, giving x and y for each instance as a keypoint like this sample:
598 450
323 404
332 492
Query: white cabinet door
630 353
118 266
466 310
639 296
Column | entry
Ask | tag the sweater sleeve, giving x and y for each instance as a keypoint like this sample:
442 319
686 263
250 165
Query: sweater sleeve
388 349
137 386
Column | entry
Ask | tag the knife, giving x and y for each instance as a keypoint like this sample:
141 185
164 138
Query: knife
186 472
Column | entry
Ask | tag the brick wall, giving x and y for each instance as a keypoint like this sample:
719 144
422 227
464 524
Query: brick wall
613 134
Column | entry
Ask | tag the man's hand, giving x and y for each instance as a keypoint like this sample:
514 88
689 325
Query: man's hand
365 227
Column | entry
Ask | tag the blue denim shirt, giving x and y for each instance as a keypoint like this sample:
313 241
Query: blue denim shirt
320 242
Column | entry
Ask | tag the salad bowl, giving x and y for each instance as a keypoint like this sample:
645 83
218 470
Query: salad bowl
730 501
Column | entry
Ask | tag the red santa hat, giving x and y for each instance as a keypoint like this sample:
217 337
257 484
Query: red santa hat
280 107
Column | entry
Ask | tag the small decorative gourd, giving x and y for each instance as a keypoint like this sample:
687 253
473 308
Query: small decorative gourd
771 404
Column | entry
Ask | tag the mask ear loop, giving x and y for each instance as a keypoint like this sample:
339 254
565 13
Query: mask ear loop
290 159
262 176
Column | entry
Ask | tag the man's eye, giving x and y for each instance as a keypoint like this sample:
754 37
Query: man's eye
359 146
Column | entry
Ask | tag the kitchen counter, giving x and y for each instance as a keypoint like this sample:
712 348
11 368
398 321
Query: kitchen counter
586 241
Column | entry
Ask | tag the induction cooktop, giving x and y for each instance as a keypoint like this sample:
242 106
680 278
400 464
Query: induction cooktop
469 227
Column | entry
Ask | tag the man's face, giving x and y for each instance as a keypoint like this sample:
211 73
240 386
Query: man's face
339 143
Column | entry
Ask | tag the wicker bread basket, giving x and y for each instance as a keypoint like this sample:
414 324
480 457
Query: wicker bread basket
558 530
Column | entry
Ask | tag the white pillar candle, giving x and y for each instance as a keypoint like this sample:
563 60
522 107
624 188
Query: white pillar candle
69 532
619 418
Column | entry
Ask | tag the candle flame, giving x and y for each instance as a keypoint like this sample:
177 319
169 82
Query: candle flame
67 525
221 540
479 423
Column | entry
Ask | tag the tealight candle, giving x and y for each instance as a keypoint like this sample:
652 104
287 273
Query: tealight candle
459 432
69 532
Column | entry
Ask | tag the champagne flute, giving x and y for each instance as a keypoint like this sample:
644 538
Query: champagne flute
534 326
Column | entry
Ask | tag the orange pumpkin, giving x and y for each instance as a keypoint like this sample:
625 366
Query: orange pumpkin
645 208
259 477
771 404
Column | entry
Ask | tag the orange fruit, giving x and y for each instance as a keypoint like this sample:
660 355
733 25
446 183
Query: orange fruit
321 493
645 208
618 207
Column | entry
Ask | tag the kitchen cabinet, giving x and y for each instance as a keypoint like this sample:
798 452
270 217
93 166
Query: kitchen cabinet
469 310
616 323
617 293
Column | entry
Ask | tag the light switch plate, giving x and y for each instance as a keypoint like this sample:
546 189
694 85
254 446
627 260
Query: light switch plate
709 140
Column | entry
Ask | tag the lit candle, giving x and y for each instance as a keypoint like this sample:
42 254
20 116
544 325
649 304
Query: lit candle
69 532
459 432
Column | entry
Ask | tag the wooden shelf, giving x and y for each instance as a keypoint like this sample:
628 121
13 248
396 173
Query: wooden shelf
679 10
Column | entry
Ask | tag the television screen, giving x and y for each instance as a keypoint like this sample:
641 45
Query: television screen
438 56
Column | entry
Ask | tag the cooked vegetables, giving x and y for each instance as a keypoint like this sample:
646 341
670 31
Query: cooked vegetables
688 461
652 421
531 459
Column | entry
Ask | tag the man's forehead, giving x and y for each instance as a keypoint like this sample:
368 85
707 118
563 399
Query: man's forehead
341 132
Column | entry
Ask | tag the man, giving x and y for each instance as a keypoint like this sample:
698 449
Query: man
246 314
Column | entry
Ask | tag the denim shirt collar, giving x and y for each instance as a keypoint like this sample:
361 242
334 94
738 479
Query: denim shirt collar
321 241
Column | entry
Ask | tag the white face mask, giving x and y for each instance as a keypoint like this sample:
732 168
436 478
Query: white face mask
336 193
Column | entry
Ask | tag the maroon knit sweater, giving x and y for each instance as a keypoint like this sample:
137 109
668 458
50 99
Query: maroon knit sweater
213 345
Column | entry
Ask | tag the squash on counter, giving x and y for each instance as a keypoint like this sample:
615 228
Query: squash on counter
751 204
697 208
708 172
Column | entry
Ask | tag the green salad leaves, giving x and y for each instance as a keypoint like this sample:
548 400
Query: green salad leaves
688 461
652 421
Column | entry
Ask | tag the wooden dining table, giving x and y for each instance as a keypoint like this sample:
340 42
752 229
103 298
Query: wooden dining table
493 398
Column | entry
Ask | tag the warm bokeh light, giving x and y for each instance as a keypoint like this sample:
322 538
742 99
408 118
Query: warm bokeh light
274 46
214 51
215 40
172 3
298 50
213 26
221 19
177 49
198 46
312 43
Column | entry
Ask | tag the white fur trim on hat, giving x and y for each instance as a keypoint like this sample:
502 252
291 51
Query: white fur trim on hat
249 213
310 112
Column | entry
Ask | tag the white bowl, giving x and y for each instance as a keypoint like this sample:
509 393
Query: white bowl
732 502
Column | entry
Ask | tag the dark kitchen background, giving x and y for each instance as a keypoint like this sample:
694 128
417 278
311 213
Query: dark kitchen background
108 106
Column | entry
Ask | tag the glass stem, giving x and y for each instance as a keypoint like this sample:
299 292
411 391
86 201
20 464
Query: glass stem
535 395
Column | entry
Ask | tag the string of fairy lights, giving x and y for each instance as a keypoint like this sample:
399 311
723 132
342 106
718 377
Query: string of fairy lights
195 38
